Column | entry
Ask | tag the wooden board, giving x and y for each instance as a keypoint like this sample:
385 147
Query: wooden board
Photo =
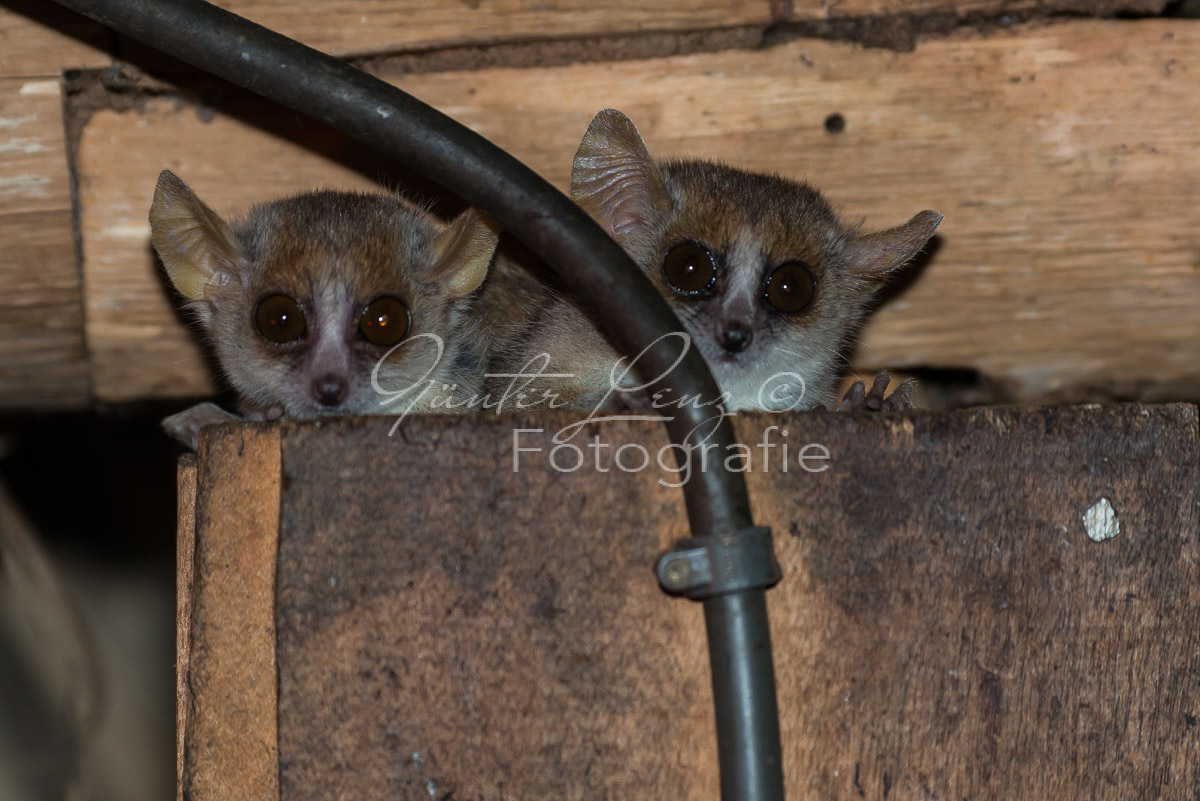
966 8
185 581
946 628
43 361
228 670
39 38
363 27
1053 274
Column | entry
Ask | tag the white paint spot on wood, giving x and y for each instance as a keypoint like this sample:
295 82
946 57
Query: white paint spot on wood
40 88
24 186
17 122
1101 521
126 231
23 144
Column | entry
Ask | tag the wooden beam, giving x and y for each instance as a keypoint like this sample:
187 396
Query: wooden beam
948 626
43 360
362 27
41 39
227 672
185 583
1053 273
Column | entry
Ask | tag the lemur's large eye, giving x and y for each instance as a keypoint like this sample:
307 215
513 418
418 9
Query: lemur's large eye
689 269
790 287
279 319
384 321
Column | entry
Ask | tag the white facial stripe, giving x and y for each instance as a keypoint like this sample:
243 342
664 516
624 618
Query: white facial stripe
330 351
742 274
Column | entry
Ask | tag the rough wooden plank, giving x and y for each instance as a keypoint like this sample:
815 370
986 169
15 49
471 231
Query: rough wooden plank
946 627
43 39
363 27
33 161
185 578
1052 274
229 745
351 28
965 8
38 38
43 361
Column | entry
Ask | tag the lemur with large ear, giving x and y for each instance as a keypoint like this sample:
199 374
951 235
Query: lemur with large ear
769 284
328 302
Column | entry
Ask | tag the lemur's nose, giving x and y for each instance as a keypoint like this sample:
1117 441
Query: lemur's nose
330 389
735 336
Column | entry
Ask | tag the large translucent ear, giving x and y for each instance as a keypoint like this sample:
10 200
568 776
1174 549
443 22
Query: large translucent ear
614 179
196 246
463 251
873 256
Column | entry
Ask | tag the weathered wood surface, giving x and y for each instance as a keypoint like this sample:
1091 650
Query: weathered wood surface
228 674
39 38
946 627
1053 273
185 578
43 360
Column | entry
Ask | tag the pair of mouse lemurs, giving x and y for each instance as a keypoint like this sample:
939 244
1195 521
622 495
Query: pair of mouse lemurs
343 303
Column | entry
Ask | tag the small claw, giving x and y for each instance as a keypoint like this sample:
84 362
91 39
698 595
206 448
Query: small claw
901 399
875 398
853 398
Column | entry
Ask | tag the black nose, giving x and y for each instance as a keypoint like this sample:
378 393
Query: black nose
329 389
735 336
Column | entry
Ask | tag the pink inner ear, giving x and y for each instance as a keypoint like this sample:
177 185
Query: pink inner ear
625 218
622 192
877 254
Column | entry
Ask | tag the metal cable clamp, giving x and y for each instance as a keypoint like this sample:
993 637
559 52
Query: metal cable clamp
705 567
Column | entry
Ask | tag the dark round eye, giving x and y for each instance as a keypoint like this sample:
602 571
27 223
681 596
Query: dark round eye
384 321
790 287
689 269
279 319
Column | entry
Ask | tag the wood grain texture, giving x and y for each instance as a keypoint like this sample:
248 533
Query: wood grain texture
946 627
964 8
185 582
1052 274
39 38
43 361
229 740
43 39
367 27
